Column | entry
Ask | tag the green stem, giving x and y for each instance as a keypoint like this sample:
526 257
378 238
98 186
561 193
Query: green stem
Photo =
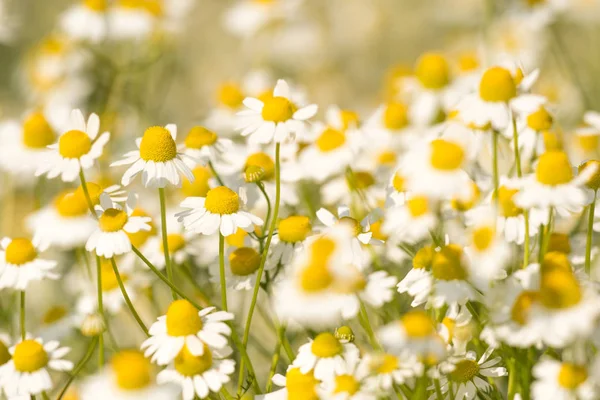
222 272
363 317
512 381
264 192
165 238
438 389
590 234
22 316
86 193
101 312
546 240
520 175
495 165
275 360
126 297
45 395
215 173
78 368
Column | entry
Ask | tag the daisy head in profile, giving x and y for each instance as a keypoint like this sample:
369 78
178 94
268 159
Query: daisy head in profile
156 158
27 372
295 385
76 149
184 326
20 263
219 211
324 355
276 118
556 379
202 145
114 223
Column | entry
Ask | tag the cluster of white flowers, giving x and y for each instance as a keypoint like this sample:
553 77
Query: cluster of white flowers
438 245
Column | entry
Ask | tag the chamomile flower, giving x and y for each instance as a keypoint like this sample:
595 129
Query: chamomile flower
198 375
324 356
202 145
277 118
534 118
20 264
156 158
411 221
129 376
291 233
23 145
86 20
389 123
294 383
76 149
418 281
241 265
218 211
468 375
27 373
188 330
388 369
351 382
562 381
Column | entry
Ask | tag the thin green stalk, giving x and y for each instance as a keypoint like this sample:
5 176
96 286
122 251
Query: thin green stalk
101 312
546 241
496 175
520 175
126 297
261 186
45 395
275 359
22 316
438 389
590 234
222 272
86 193
215 173
512 380
287 347
363 317
165 237
78 367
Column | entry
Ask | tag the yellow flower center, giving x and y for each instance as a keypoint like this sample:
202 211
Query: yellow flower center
497 85
315 278
523 303
74 144
418 206
432 71
183 319
395 116
588 142
417 324
346 384
424 258
294 229
230 95
262 161
94 191
349 119
555 260
54 314
20 251
360 180
244 261
200 187
464 204
237 239
140 237
199 137
483 237
132 370
351 223
464 371
540 120
330 140
277 109
554 168
109 278
386 364
446 155
447 264
594 181
559 242
29 356
37 132
175 242
96 5
399 183
222 200
377 232
70 204
326 345
4 353
559 289
450 325
188 364
151 6
468 62
112 220
571 376
387 157
508 208
158 145
300 386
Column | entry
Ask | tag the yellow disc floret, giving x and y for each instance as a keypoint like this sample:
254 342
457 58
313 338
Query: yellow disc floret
132 370
554 168
264 161
188 364
140 237
330 140
432 71
277 109
199 187
559 242
418 206
559 289
301 386
540 120
112 220
446 155
183 319
37 132
20 251
96 5
175 242
464 371
497 85
423 258
571 376
508 208
230 95
294 229
385 364
346 384
244 261
199 137
222 200
29 356
326 345
158 145
483 237
70 204
395 116
522 305
74 144
315 278
417 324
447 264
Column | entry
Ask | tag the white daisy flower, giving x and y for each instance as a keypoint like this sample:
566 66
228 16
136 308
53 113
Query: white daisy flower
86 20
185 327
290 236
201 374
418 281
218 211
456 329
76 149
388 369
294 383
27 373
129 376
240 267
20 265
350 382
277 118
411 221
202 145
562 381
110 238
534 119
156 158
389 123
325 356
